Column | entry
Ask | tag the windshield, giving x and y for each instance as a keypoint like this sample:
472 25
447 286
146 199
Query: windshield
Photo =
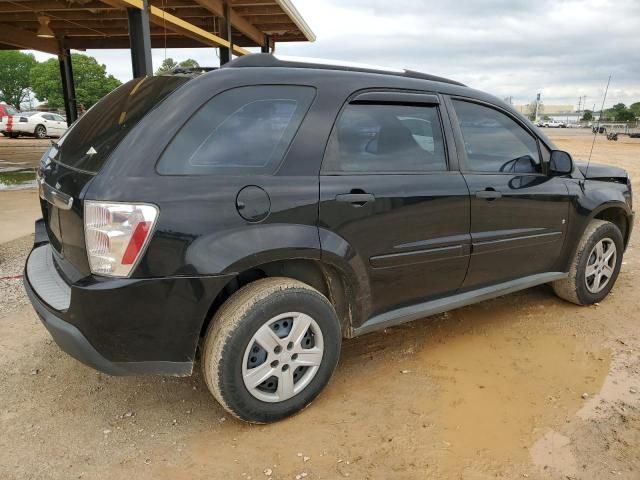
10 110
90 141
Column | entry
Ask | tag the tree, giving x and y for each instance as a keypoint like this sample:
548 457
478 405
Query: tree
587 116
15 69
168 64
635 108
91 81
625 116
531 109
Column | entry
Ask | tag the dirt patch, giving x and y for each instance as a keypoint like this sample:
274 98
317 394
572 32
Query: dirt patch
524 386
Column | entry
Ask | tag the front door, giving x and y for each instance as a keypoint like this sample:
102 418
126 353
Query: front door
518 212
387 190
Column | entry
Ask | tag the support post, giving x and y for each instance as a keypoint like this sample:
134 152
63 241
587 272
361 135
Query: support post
140 40
225 53
68 86
264 48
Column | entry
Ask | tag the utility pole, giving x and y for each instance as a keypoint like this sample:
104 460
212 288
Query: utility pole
535 116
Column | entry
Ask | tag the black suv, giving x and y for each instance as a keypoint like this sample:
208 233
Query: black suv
266 210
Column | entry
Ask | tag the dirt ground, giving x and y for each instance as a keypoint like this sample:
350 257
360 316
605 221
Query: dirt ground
524 386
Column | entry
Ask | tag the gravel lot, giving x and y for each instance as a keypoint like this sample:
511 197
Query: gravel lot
524 386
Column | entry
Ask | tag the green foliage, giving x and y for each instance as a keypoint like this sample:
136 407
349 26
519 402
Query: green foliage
635 108
620 113
91 81
587 116
168 64
15 68
625 116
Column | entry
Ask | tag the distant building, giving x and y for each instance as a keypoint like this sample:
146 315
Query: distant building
563 113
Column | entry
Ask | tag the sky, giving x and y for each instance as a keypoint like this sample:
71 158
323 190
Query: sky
562 49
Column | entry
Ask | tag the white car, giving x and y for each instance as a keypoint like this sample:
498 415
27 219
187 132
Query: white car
33 124
554 124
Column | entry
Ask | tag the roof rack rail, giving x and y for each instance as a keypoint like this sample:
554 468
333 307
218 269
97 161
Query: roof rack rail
273 60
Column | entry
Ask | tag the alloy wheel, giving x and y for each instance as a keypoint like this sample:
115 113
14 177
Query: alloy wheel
600 265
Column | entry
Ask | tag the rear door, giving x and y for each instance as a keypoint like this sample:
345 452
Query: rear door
388 189
518 212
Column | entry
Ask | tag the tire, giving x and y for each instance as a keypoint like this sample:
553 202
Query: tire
40 131
581 289
231 352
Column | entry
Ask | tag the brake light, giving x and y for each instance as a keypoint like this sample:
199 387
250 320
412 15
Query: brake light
116 235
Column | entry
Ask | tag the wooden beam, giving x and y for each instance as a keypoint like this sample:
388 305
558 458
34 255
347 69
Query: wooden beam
48 5
259 10
23 39
176 24
237 21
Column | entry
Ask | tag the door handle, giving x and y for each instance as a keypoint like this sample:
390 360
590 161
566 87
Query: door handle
356 199
488 194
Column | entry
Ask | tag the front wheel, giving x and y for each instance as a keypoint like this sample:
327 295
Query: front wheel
271 349
595 266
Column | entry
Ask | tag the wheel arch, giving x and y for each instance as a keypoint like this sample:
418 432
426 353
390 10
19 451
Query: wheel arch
327 279
617 213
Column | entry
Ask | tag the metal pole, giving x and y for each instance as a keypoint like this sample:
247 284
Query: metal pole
140 40
68 87
226 53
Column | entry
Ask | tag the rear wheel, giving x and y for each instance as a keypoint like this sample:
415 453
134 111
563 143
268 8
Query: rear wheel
40 132
595 266
270 349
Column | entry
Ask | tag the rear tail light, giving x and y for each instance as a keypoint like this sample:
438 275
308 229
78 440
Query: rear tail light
116 235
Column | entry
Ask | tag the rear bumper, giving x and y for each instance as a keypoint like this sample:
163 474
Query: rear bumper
73 342
122 326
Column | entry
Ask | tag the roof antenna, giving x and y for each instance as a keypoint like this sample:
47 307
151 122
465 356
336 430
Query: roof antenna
595 135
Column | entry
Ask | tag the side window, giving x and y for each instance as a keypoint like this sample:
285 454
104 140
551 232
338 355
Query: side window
47 116
494 142
386 138
59 118
245 129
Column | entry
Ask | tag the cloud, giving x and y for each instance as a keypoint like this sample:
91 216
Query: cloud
561 48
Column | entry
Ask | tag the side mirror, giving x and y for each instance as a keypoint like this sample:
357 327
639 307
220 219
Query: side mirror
561 163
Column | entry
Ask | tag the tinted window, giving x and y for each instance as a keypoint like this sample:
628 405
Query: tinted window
386 138
246 129
494 142
47 116
90 141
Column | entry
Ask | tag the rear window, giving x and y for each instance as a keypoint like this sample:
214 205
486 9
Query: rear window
242 130
90 141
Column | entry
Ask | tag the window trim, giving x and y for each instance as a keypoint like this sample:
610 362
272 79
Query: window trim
274 168
459 139
375 97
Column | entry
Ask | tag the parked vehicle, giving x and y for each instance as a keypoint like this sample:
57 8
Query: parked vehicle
266 210
6 120
554 124
33 124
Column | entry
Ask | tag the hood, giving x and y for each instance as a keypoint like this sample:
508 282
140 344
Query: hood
598 171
